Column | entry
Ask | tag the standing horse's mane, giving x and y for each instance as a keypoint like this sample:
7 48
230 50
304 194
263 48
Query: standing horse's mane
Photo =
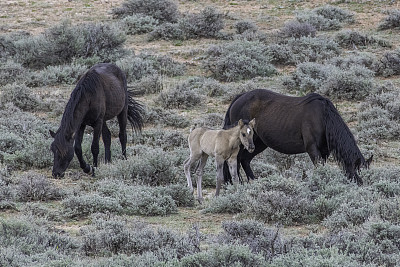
86 85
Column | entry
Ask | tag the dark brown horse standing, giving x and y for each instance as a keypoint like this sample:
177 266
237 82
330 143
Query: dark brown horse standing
293 125
100 95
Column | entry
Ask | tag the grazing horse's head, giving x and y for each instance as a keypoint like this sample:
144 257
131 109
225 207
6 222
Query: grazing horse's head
63 154
246 134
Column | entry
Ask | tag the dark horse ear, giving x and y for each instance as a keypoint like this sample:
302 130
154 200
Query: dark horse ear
53 134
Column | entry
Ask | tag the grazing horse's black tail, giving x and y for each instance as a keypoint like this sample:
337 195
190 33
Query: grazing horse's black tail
227 123
135 113
341 143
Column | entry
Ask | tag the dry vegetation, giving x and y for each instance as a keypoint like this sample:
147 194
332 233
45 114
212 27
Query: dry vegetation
187 66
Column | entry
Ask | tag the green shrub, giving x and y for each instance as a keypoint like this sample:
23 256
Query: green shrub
55 75
225 255
326 17
149 167
139 24
296 29
392 21
159 116
389 64
184 95
304 49
65 42
244 26
11 72
21 96
332 81
230 201
380 114
239 60
118 236
255 235
25 241
24 139
352 39
207 23
34 186
161 10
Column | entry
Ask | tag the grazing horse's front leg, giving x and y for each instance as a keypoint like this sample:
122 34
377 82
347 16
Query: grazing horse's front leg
106 135
95 143
78 149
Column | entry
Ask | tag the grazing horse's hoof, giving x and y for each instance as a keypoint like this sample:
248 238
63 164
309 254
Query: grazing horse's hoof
89 170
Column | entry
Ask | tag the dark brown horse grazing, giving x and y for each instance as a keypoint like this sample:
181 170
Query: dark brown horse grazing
294 125
100 95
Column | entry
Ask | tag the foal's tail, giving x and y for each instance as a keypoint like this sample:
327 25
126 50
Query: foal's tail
341 142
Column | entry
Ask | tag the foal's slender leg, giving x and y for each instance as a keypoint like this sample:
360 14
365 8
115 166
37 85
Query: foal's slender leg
187 165
122 121
106 135
203 162
95 143
232 163
219 161
78 149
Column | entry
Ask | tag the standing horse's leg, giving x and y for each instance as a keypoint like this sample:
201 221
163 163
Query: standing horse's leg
106 135
219 161
245 157
122 121
95 143
78 149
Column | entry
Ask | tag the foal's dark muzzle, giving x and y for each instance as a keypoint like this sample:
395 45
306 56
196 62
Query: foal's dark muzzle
251 148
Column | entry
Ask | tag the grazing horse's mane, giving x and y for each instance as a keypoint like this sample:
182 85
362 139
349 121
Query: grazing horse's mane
341 141
86 85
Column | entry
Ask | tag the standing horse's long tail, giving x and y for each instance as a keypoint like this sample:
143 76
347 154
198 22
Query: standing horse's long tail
341 143
227 124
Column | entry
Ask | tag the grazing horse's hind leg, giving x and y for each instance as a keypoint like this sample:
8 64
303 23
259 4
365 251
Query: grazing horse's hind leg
106 135
122 121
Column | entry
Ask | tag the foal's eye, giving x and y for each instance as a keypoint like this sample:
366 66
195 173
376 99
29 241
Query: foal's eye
243 135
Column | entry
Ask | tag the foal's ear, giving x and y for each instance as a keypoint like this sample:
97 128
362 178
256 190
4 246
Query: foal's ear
252 123
240 122
52 134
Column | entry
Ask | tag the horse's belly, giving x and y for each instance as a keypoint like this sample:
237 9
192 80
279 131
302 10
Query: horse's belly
286 145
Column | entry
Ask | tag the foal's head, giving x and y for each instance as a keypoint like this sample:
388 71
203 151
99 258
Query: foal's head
246 134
